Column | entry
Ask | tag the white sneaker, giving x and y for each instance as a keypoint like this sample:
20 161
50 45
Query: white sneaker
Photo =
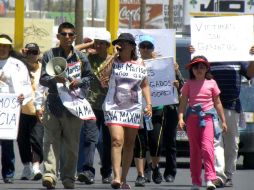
37 175
210 185
194 187
26 173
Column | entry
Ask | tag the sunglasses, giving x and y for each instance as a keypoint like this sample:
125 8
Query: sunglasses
33 52
71 34
146 46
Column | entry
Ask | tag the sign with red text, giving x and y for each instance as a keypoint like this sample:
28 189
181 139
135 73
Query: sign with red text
9 116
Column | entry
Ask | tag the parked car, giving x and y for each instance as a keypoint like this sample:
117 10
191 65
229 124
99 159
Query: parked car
246 145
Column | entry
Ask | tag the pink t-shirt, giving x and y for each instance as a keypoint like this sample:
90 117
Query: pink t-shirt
201 91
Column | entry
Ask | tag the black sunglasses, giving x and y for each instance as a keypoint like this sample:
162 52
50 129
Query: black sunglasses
33 52
71 34
146 46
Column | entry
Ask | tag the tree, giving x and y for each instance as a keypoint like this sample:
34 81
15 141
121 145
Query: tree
79 20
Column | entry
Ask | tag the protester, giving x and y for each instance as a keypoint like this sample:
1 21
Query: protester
61 128
30 133
149 138
14 78
123 104
228 76
170 122
89 131
201 94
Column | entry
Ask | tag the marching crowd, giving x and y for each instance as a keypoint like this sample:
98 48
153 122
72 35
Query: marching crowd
115 86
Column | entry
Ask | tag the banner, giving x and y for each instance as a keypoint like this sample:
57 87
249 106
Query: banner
223 38
161 76
78 106
9 116
220 7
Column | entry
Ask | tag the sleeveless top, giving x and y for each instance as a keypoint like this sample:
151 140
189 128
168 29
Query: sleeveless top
123 103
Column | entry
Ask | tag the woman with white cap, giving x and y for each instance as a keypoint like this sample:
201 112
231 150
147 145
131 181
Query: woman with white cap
14 78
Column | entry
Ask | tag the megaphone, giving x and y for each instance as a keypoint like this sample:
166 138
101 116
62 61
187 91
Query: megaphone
57 66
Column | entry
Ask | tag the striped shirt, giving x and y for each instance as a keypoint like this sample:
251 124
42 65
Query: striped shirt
228 77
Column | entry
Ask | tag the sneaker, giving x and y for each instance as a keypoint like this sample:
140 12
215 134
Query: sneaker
210 185
87 177
229 183
68 184
218 183
156 176
37 175
169 178
140 181
148 173
107 180
26 173
194 187
8 180
48 182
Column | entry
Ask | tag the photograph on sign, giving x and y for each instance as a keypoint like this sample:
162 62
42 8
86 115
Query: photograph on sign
223 38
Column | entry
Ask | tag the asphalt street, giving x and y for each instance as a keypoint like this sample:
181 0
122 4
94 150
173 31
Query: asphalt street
243 179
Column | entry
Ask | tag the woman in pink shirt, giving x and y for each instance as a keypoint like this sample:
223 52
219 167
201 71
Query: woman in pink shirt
201 93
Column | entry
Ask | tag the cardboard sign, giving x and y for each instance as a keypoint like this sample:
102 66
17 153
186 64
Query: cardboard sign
78 106
9 116
223 38
161 76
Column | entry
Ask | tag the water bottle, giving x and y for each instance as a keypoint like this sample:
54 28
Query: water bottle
148 121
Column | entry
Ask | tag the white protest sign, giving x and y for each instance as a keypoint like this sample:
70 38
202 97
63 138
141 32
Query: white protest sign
164 39
223 38
161 75
9 116
79 107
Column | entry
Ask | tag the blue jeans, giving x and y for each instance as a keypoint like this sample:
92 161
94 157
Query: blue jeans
89 140
8 159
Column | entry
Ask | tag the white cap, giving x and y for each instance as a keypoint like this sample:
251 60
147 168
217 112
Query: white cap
103 35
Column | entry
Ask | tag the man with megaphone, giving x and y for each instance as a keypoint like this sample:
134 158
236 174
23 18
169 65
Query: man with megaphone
62 67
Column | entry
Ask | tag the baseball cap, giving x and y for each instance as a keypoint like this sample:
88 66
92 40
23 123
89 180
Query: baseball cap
5 41
196 61
146 38
103 35
32 47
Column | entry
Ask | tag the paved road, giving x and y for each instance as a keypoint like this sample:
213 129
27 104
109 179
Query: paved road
243 180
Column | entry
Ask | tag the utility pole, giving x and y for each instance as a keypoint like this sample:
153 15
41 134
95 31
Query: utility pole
79 20
93 13
142 13
170 14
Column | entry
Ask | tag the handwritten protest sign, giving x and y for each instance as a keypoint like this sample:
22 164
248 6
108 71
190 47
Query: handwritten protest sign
9 116
79 107
223 38
161 74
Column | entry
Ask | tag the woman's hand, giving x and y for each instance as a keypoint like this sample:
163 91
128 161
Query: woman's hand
148 110
21 98
181 124
252 50
191 49
176 84
39 114
224 127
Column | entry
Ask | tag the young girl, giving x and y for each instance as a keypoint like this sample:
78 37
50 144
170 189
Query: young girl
201 93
